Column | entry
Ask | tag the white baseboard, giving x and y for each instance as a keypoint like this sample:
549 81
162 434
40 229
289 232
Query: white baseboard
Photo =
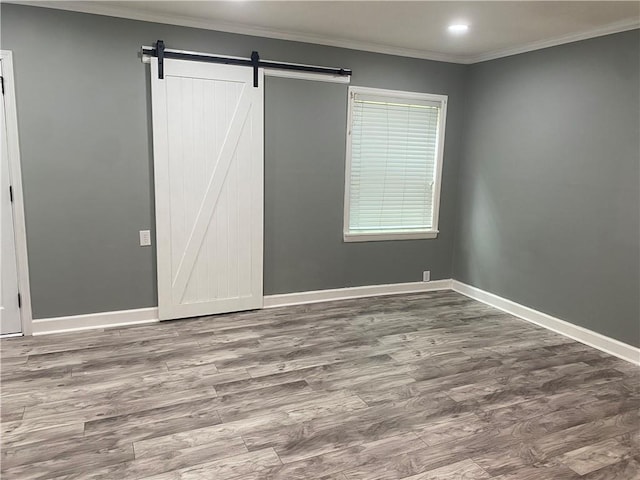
121 318
76 323
580 334
315 296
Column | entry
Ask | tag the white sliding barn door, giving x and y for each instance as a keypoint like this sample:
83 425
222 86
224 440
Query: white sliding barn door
208 168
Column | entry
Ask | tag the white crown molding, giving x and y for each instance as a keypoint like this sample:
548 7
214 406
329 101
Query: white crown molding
583 335
609 29
329 295
185 21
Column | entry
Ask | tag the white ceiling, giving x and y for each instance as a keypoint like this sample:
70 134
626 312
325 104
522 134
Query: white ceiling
414 28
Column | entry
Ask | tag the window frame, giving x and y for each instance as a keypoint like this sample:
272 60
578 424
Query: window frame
432 233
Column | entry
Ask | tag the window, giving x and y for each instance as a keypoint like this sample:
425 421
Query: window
395 145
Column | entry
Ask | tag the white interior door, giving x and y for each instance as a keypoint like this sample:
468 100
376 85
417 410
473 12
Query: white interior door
9 309
208 168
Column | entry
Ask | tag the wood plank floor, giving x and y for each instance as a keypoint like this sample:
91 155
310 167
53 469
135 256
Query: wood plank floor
417 387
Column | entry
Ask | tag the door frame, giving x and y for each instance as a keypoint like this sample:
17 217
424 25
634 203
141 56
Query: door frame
20 232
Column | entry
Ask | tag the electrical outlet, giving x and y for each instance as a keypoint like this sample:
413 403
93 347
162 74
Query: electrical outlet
145 238
426 275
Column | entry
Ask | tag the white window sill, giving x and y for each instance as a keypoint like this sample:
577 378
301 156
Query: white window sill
377 237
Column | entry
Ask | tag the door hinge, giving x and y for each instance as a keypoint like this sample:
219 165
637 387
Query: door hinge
2 83
19 301
11 193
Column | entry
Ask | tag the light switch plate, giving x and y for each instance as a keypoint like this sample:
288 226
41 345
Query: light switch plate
145 238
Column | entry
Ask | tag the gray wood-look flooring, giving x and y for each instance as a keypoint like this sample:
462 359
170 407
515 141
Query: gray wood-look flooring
418 387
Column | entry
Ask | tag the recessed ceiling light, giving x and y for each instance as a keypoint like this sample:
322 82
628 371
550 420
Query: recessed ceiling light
458 28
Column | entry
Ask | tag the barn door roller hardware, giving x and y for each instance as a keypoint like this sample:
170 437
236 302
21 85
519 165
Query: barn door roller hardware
159 51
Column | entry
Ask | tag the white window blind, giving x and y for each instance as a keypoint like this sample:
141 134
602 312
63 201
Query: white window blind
393 164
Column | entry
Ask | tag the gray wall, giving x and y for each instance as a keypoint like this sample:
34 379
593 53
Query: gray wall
84 112
549 186
544 200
